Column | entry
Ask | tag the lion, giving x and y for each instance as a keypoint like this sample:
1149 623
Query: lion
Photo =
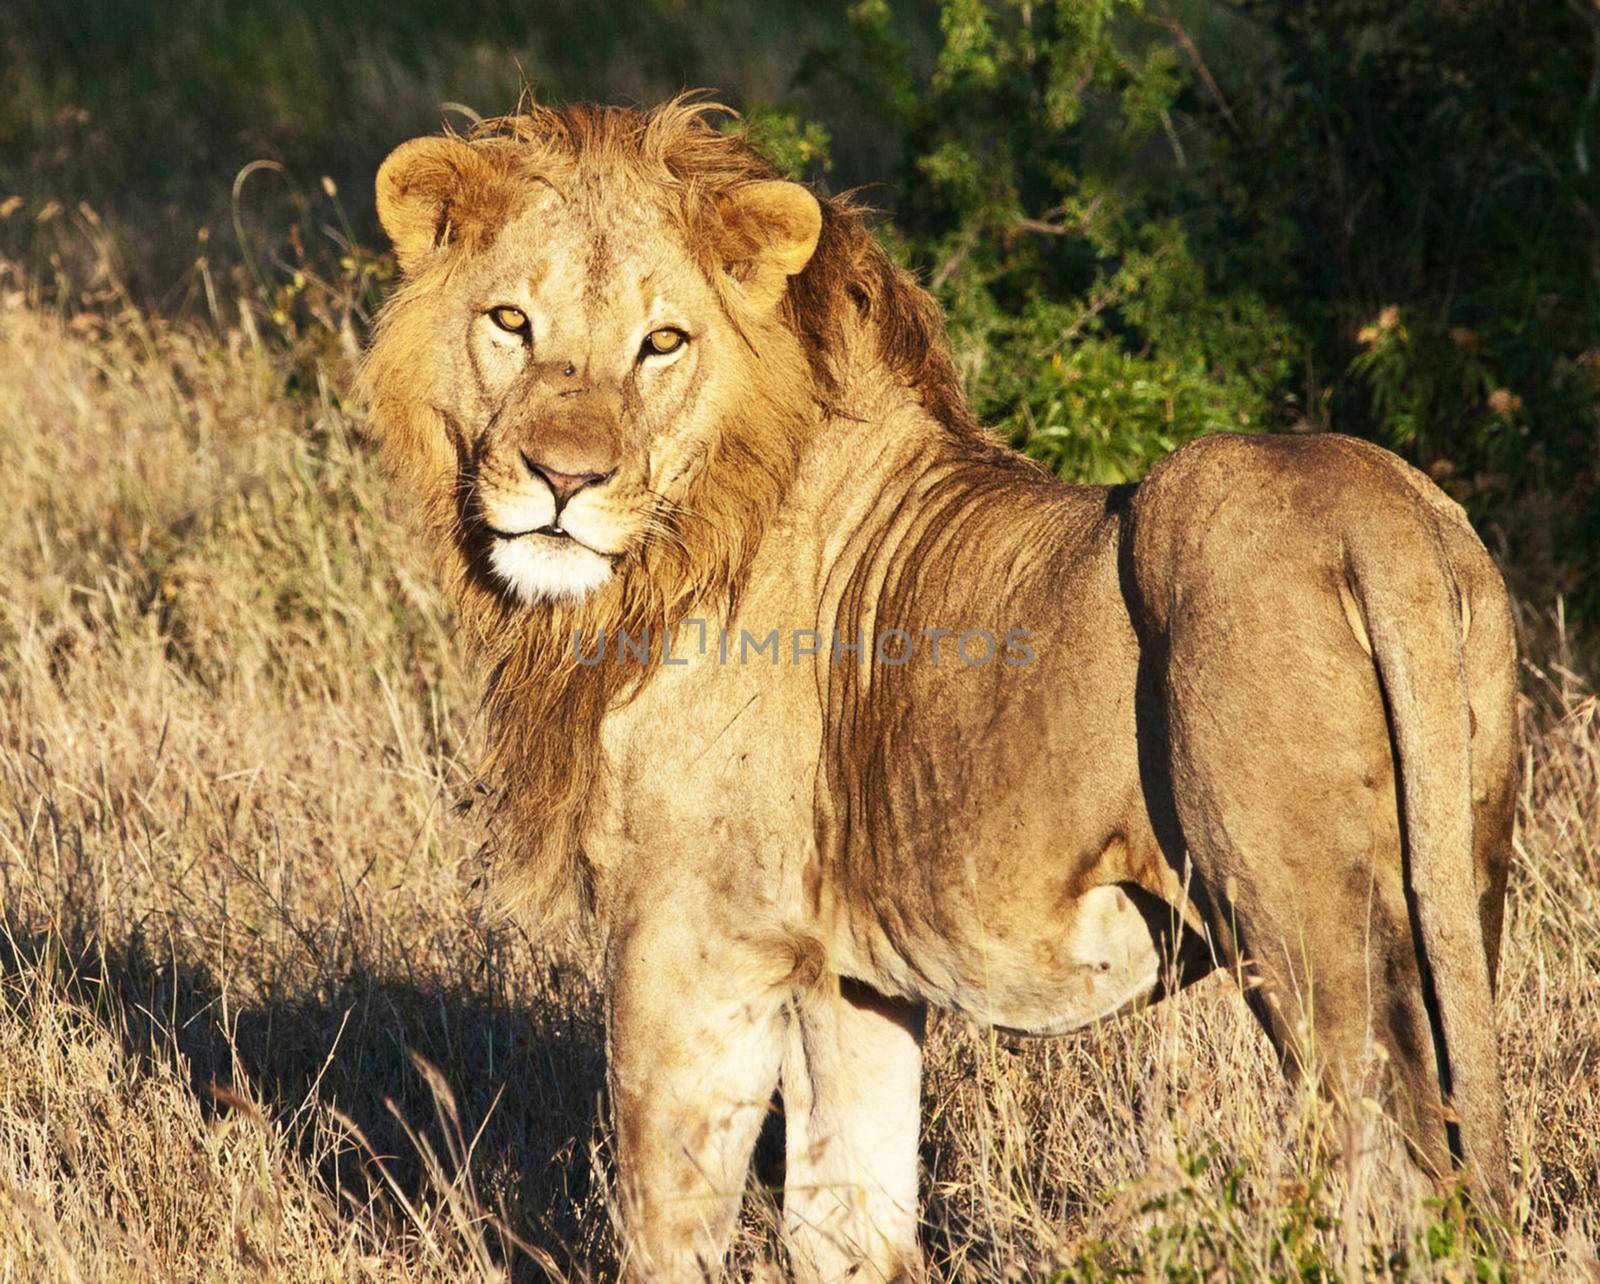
827 706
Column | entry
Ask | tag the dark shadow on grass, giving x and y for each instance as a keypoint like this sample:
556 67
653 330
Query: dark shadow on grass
525 1071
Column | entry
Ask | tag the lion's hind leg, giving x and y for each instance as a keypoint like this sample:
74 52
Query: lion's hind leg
1286 797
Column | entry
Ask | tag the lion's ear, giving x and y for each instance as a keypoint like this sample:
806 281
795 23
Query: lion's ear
771 231
432 190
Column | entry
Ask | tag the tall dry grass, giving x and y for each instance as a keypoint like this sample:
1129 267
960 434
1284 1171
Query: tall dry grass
254 1023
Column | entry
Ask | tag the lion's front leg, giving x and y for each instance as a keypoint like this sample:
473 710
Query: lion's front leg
695 1039
852 1080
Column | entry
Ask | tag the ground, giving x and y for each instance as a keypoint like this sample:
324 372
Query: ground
258 1020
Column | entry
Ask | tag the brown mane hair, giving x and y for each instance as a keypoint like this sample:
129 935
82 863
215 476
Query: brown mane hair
543 709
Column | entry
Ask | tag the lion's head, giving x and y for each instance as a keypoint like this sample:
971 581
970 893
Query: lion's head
583 320
614 331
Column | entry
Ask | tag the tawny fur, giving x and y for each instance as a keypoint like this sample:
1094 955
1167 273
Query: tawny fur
1262 715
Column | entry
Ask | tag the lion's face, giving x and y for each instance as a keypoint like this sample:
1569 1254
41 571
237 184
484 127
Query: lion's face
594 347
585 358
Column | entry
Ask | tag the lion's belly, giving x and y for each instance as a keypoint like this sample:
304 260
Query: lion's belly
1047 973
1102 961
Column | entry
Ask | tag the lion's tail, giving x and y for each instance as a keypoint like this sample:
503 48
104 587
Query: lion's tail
1413 617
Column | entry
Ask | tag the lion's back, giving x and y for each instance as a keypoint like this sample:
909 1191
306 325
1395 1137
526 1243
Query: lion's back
1273 514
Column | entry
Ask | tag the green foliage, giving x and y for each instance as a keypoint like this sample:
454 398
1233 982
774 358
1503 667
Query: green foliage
1153 220
790 141
1089 329
1213 1217
1436 165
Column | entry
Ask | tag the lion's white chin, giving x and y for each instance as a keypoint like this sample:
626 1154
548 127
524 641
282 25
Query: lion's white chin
540 568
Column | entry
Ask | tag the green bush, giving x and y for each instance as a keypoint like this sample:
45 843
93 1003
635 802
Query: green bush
1034 191
1149 221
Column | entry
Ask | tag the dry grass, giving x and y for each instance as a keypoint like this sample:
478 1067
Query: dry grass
254 1024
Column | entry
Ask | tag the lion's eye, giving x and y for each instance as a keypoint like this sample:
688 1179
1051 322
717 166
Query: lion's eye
511 320
658 343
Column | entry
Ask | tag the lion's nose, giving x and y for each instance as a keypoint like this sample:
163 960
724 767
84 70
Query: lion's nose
562 485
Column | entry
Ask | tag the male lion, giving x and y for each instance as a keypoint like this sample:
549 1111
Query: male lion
1255 712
